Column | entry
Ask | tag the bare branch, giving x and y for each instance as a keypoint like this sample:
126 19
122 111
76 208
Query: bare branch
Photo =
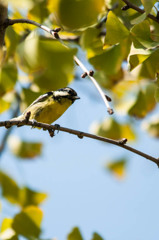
55 34
110 111
51 128
136 8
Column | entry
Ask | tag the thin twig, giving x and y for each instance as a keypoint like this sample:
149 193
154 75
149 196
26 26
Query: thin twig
110 111
56 36
136 8
51 128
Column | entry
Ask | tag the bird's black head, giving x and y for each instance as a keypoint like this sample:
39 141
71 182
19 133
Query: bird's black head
67 92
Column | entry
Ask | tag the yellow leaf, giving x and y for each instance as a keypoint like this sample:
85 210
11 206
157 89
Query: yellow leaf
117 168
27 223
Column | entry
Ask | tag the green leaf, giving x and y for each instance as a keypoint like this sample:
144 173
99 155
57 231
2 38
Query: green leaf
76 14
148 5
31 197
27 223
21 196
91 41
141 32
144 103
75 235
39 11
138 54
8 77
112 129
11 41
96 236
110 60
23 149
10 189
157 94
150 66
139 19
116 31
48 62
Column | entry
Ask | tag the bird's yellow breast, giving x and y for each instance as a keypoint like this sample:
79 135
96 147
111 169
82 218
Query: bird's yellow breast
50 111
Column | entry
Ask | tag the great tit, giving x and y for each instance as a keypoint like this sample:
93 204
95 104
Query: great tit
50 106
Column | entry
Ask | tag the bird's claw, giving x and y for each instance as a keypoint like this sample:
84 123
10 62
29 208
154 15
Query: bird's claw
57 126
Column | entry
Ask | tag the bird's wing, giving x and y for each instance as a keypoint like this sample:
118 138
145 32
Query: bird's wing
42 98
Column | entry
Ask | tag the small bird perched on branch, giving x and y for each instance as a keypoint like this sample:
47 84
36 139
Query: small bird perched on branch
50 106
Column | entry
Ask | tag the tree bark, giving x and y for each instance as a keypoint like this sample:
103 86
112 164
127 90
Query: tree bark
3 17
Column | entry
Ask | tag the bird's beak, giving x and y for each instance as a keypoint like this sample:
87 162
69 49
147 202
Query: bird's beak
75 97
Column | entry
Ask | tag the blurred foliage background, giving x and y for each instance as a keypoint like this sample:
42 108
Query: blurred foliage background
121 46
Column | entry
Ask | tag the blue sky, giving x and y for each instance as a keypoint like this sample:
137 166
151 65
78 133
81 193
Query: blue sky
81 192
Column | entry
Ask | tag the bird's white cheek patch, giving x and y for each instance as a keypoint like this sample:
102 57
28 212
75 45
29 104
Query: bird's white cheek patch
60 94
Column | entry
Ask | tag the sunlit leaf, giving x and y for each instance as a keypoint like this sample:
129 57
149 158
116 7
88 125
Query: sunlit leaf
138 54
4 105
7 233
150 66
23 149
7 222
31 197
76 14
117 168
27 223
139 19
75 235
141 32
148 5
116 31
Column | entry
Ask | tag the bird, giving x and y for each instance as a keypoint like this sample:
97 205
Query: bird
48 107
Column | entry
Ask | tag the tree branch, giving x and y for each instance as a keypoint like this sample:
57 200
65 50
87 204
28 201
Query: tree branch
136 8
54 33
3 17
51 129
